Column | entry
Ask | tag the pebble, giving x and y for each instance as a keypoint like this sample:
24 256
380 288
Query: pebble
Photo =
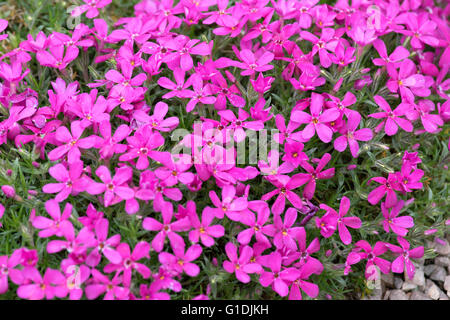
398 295
443 250
429 269
417 295
376 294
442 261
442 295
408 286
398 283
388 279
419 278
438 274
432 290
447 284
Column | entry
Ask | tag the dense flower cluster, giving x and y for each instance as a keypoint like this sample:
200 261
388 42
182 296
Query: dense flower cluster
105 141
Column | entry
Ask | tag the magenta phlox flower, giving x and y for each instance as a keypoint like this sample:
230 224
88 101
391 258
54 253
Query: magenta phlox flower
317 120
241 265
405 254
167 228
398 225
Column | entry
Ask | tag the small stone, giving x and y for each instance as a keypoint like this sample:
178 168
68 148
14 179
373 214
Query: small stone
442 295
443 249
408 286
447 284
432 290
398 295
442 261
419 278
376 294
388 279
430 244
398 283
438 274
429 269
386 295
417 295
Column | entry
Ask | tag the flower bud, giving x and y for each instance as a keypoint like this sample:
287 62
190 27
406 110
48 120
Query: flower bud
8 191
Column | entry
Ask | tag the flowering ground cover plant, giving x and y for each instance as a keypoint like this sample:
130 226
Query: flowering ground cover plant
208 149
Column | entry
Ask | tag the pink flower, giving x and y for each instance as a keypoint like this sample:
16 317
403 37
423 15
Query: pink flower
115 188
156 121
300 284
342 221
73 244
284 232
327 224
408 180
90 112
316 122
285 185
322 46
430 122
55 225
109 145
7 267
179 88
220 17
399 225
167 228
71 143
182 260
286 133
2 211
203 230
129 262
56 58
70 181
257 227
276 277
394 58
351 136
305 252
102 284
229 205
262 84
91 8
183 48
3 26
174 168
49 286
365 251
407 81
103 245
405 254
8 191
141 146
202 93
238 124
388 186
313 175
125 78
421 30
392 118
225 93
241 265
75 277
252 64
152 292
